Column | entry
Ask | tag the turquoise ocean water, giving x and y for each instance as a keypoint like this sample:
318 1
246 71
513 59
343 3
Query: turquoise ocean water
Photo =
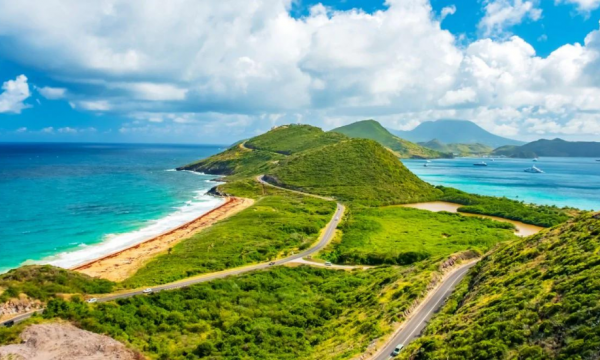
565 182
68 203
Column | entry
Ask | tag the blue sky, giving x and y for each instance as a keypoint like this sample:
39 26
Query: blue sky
201 72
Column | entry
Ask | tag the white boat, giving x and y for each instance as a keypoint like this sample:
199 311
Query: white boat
483 163
534 169
535 159
427 161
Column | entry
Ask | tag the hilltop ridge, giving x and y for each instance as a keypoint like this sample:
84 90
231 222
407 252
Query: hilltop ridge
371 129
551 148
455 132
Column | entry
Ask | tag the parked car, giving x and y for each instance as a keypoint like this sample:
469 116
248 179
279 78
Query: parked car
328 263
272 263
147 291
92 300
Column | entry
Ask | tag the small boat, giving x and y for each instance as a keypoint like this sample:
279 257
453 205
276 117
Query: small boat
534 169
535 159
483 163
492 159
425 165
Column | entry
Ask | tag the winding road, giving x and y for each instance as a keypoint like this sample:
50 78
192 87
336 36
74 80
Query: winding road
326 237
411 329
408 331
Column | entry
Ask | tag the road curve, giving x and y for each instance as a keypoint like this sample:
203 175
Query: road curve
412 328
324 240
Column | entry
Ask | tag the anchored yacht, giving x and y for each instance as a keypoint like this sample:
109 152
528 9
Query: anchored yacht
534 169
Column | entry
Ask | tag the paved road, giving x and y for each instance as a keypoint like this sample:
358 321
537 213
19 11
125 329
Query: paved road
417 322
325 238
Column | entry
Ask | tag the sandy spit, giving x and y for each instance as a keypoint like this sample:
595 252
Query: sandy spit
122 264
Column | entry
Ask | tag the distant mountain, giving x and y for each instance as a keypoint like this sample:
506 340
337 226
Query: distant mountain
371 129
455 132
457 149
551 148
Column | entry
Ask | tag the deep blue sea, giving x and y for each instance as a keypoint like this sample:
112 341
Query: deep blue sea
67 203
565 182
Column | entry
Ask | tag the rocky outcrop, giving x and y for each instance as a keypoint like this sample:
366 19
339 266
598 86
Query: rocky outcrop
64 341
22 305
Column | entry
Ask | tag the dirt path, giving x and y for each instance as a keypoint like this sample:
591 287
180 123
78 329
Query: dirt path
124 263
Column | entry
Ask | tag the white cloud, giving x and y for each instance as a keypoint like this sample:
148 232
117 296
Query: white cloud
203 66
502 14
457 97
13 95
582 5
21 130
48 130
447 10
52 93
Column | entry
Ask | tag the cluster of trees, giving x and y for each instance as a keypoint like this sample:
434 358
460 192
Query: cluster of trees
44 282
273 226
402 236
537 298
280 313
540 215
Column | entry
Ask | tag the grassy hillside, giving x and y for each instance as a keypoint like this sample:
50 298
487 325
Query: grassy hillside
290 139
551 148
371 129
255 156
398 235
280 313
273 226
43 282
460 149
540 215
236 161
357 170
536 298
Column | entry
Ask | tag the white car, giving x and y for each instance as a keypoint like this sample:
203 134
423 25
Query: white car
147 291
328 263
91 301
337 219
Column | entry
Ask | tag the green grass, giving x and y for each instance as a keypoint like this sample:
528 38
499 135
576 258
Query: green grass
540 215
357 170
371 129
398 235
294 138
44 282
280 313
272 227
236 162
536 298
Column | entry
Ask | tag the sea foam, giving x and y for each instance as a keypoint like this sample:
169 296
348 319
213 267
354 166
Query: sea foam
201 204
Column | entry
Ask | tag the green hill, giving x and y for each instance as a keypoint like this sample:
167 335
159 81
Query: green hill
371 129
294 138
535 298
255 156
358 170
457 149
551 148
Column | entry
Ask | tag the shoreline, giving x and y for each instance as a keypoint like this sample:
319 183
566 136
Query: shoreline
121 264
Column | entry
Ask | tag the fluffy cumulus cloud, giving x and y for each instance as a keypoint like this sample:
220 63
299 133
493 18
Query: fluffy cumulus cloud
583 5
14 93
215 66
502 14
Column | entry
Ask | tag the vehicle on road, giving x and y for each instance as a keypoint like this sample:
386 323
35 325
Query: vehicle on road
91 301
9 323
272 263
147 291
328 263
397 350
337 219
